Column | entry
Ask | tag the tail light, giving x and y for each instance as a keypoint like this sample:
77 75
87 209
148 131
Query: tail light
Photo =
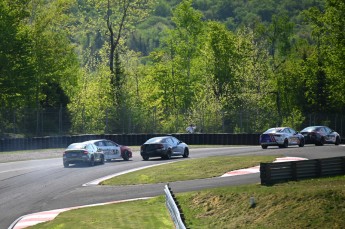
160 146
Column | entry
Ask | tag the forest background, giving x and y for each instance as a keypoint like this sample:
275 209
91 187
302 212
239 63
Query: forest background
156 66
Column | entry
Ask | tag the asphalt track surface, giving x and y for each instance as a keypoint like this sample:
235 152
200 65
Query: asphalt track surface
41 185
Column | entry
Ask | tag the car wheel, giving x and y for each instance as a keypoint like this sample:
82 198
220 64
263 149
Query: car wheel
301 143
145 158
102 160
337 141
264 146
125 156
286 144
322 141
65 164
92 161
168 156
186 153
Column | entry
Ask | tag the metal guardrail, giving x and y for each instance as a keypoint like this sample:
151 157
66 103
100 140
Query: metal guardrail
173 207
271 173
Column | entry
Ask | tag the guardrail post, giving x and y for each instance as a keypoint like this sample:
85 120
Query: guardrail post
265 173
294 170
318 168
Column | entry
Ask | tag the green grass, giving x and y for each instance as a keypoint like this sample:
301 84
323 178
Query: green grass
151 213
188 170
318 203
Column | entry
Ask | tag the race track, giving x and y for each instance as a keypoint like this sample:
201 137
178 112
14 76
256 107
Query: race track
40 185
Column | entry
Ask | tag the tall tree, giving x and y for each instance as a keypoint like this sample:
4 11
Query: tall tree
326 69
16 69
334 44
185 45
278 37
121 16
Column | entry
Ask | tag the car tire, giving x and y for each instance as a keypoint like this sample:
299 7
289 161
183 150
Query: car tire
92 161
322 141
168 155
264 146
285 144
145 158
337 141
125 156
186 153
65 164
102 160
301 143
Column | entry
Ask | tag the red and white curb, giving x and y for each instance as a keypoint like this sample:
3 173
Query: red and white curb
256 169
41 217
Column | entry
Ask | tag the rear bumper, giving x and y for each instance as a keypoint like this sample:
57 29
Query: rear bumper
111 156
311 139
156 153
271 143
76 160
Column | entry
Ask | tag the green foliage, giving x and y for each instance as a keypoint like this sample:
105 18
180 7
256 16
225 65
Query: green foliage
226 66
90 103
16 69
295 120
223 60
327 59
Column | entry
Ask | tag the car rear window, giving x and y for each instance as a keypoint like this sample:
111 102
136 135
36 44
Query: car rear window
308 129
155 140
273 130
77 146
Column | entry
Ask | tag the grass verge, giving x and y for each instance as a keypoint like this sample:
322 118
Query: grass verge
188 170
316 203
151 213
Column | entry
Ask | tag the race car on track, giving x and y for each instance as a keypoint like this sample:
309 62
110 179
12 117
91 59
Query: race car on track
281 137
320 135
82 152
112 150
164 147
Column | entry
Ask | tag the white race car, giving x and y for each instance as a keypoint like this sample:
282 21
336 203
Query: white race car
281 137
113 150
